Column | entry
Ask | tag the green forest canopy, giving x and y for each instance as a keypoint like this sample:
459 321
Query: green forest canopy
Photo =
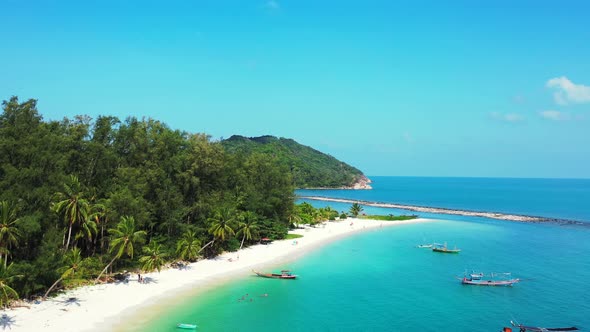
310 168
67 183
82 196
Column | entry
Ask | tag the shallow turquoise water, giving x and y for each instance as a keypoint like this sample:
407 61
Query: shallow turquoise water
379 281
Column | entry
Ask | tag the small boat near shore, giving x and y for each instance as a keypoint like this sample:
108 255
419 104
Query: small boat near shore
285 274
424 246
493 279
437 247
185 326
523 328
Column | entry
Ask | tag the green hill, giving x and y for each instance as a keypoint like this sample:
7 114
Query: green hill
310 168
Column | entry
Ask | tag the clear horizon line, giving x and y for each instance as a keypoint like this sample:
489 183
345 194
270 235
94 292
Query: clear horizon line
479 177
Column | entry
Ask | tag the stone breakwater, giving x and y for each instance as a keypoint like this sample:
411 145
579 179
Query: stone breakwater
427 209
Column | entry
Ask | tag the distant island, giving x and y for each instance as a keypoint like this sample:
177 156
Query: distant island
310 168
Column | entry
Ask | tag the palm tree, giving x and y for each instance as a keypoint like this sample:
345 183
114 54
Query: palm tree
329 214
221 225
99 212
87 230
72 260
153 258
306 208
188 246
355 209
124 236
247 226
9 233
72 204
7 294
294 219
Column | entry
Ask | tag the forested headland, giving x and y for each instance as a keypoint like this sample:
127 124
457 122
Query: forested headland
81 198
309 168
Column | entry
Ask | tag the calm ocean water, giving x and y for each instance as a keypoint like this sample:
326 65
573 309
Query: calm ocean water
554 198
379 281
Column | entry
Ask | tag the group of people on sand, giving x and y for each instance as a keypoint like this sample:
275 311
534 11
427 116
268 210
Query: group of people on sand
139 278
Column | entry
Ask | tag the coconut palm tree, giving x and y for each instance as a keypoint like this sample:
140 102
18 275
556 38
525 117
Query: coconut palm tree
7 294
87 231
154 258
355 209
123 237
188 246
9 233
294 219
221 225
72 261
72 204
247 226
99 213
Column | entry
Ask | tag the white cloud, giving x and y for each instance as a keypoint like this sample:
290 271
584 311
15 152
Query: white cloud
271 4
507 117
568 92
554 115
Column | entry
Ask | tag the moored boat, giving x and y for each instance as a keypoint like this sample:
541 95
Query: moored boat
185 326
285 274
523 328
493 279
437 247
425 246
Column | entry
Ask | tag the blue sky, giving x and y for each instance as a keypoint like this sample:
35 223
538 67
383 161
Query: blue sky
409 88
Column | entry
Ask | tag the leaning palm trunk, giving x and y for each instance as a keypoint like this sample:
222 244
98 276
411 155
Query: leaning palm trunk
69 236
242 244
210 242
52 286
104 270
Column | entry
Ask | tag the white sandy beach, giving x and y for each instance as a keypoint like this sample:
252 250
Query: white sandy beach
104 307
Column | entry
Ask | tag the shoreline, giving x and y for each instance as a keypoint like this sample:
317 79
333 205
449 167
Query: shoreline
429 209
108 306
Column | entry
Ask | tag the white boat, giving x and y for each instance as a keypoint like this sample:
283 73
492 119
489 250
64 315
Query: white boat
186 326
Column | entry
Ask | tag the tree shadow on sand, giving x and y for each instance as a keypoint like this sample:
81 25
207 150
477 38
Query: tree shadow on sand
7 322
71 301
149 280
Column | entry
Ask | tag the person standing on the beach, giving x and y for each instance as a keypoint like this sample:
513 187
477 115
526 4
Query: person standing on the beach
138 277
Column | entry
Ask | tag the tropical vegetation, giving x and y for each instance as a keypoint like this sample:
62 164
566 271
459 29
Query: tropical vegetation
81 198
310 168
355 209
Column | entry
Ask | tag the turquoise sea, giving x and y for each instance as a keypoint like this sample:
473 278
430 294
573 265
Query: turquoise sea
379 281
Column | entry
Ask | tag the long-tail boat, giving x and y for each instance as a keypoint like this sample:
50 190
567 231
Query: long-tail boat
523 328
186 326
285 274
437 247
494 279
